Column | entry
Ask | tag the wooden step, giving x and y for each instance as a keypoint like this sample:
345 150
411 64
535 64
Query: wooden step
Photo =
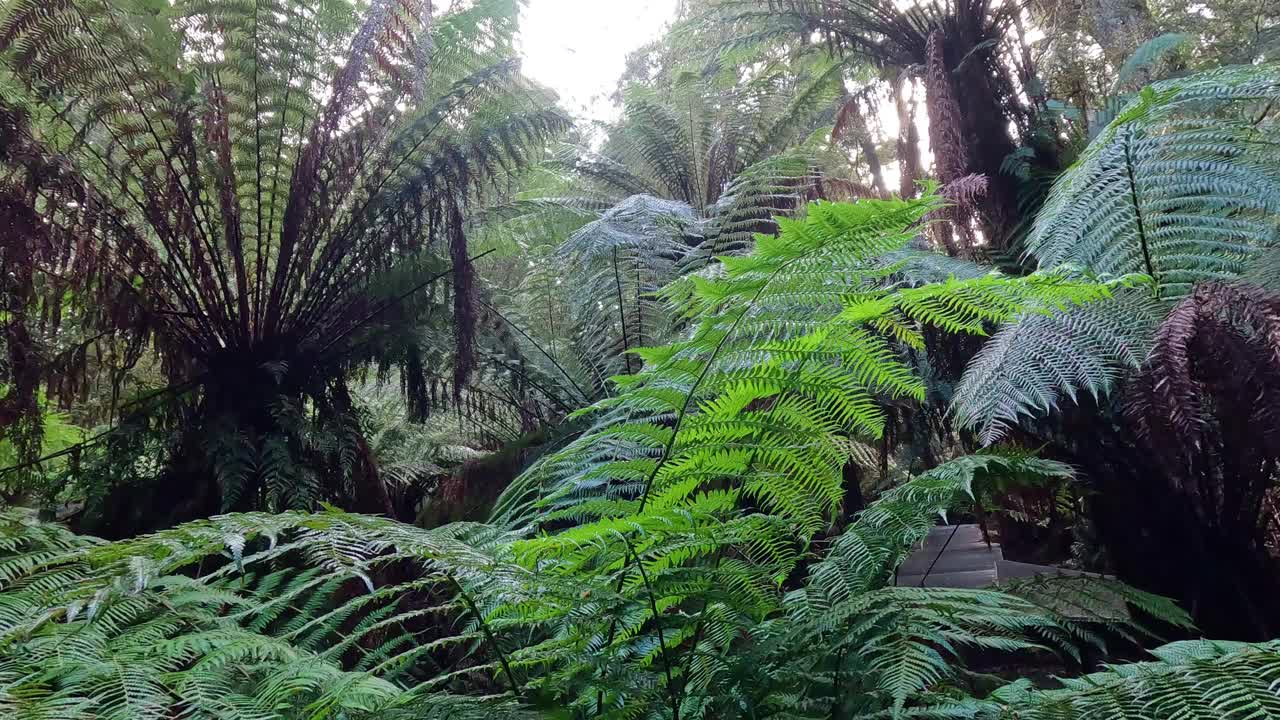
965 579
951 556
953 560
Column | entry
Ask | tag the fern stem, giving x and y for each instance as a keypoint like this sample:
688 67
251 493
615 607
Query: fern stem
622 314
199 233
313 305
639 308
751 461
488 634
581 393
519 372
675 432
662 641
835 685
1137 211
693 389
394 301
257 167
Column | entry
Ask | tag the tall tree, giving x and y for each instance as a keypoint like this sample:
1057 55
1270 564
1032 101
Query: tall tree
990 120
1120 26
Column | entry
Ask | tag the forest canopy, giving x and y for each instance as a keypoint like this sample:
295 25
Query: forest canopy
345 374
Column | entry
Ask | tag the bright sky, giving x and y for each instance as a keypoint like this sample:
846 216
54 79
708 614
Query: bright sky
579 47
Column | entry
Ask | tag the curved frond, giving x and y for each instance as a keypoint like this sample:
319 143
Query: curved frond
1193 679
1043 358
1183 186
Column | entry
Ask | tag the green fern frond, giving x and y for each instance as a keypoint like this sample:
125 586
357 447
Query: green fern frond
1032 364
1149 55
1182 186
1194 679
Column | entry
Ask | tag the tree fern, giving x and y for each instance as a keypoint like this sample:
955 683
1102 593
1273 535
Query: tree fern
1202 407
750 411
698 164
236 183
1183 188
615 265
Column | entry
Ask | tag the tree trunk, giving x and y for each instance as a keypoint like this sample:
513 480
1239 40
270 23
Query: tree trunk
1120 26
371 490
187 490
983 85
1154 537
866 143
372 497
854 502
908 138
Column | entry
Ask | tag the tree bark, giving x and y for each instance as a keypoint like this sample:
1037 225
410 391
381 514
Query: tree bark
866 143
372 497
908 138
1155 539
854 502
1120 26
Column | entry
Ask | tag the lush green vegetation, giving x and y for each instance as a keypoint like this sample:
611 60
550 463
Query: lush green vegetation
345 376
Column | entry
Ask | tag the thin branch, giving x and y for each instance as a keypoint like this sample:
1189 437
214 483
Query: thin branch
662 641
583 395
488 634
622 315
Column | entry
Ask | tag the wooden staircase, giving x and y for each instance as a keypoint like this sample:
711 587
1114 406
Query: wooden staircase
954 556
957 556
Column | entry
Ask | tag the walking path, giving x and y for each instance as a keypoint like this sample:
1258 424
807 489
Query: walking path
957 556
952 556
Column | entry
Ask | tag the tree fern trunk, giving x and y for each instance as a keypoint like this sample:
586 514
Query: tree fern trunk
371 490
372 497
187 490
1154 538
854 501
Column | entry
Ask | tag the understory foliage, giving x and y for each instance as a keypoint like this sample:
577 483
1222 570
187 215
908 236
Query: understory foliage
259 222
776 352
1182 186
676 560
